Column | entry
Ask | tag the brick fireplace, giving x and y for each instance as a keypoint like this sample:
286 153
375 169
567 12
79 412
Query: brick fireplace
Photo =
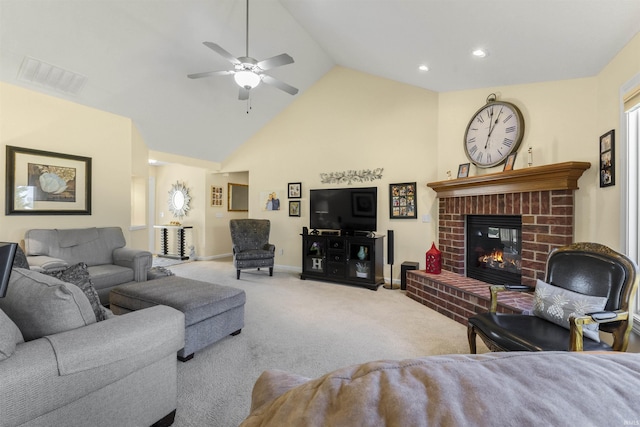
547 222
543 196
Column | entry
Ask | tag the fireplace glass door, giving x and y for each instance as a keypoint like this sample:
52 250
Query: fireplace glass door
494 248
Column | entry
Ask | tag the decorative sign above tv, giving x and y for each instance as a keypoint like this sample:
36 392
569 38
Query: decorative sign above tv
351 176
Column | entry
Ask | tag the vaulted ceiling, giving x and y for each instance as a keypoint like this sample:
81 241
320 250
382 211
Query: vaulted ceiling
136 54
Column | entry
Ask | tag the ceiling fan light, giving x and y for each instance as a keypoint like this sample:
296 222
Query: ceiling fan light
247 79
479 53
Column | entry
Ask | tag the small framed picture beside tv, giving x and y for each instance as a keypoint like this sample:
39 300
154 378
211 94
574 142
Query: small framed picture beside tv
295 190
348 210
294 208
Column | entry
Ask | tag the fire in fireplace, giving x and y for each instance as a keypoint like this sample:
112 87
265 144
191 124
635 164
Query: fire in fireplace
494 248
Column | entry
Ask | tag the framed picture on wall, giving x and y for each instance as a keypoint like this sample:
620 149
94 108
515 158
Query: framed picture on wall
607 159
295 190
216 196
270 200
402 201
294 208
46 183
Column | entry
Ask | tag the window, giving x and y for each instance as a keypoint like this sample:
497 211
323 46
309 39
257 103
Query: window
631 176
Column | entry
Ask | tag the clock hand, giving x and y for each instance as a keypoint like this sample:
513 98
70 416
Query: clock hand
491 128
486 144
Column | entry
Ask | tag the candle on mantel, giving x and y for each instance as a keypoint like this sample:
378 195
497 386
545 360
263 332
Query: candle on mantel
530 156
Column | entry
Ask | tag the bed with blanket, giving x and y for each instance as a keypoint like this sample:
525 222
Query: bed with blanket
519 388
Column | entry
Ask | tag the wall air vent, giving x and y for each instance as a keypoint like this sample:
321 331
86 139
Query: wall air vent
49 76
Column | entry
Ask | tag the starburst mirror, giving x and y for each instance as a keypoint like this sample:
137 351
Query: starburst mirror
179 200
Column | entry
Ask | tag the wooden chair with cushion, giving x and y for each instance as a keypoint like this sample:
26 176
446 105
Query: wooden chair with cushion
588 288
251 247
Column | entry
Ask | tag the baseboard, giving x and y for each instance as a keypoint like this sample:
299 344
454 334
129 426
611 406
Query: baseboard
294 269
291 268
212 257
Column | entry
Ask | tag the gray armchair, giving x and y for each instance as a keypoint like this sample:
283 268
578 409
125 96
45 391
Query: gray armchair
251 247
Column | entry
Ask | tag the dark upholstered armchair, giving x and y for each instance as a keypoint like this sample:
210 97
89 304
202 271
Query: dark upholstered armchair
587 286
251 247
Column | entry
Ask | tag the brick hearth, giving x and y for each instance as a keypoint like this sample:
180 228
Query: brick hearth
543 196
460 297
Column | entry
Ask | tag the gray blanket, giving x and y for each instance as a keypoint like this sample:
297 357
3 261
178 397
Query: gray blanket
495 389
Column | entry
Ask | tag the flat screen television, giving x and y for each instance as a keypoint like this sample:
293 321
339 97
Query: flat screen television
346 209
7 254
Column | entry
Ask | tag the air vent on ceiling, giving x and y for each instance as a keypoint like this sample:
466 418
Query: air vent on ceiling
49 76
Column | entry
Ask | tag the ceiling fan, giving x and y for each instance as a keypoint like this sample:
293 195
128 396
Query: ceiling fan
248 72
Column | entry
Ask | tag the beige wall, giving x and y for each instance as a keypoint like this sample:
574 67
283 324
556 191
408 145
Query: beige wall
347 121
219 244
560 126
350 120
194 179
36 121
210 233
607 201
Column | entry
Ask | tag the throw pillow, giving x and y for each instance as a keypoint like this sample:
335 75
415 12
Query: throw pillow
10 335
557 305
20 260
78 275
42 305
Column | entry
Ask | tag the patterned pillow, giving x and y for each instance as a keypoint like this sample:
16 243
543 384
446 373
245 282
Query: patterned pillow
78 275
20 260
556 305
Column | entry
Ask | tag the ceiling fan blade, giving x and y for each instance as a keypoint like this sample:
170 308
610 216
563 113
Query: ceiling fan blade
244 94
275 61
279 84
220 51
210 73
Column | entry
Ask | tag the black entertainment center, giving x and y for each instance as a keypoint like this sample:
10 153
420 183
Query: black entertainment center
343 247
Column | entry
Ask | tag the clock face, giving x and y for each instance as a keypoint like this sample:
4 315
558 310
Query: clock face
494 132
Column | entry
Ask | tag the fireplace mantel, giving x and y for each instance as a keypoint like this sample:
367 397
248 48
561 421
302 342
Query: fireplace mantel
558 176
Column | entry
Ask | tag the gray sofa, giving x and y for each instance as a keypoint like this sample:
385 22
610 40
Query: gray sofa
60 367
102 249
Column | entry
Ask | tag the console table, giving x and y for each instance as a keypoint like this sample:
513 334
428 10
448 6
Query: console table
180 241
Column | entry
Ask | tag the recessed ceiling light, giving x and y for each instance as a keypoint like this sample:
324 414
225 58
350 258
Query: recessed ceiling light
479 53
423 68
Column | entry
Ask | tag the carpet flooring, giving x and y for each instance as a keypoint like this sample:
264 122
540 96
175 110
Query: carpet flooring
302 326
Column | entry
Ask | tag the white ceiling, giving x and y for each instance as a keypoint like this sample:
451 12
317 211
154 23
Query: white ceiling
136 53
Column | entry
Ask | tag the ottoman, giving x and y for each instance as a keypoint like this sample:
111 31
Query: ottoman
211 311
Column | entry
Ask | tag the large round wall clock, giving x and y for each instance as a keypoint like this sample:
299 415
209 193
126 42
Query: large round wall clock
494 132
